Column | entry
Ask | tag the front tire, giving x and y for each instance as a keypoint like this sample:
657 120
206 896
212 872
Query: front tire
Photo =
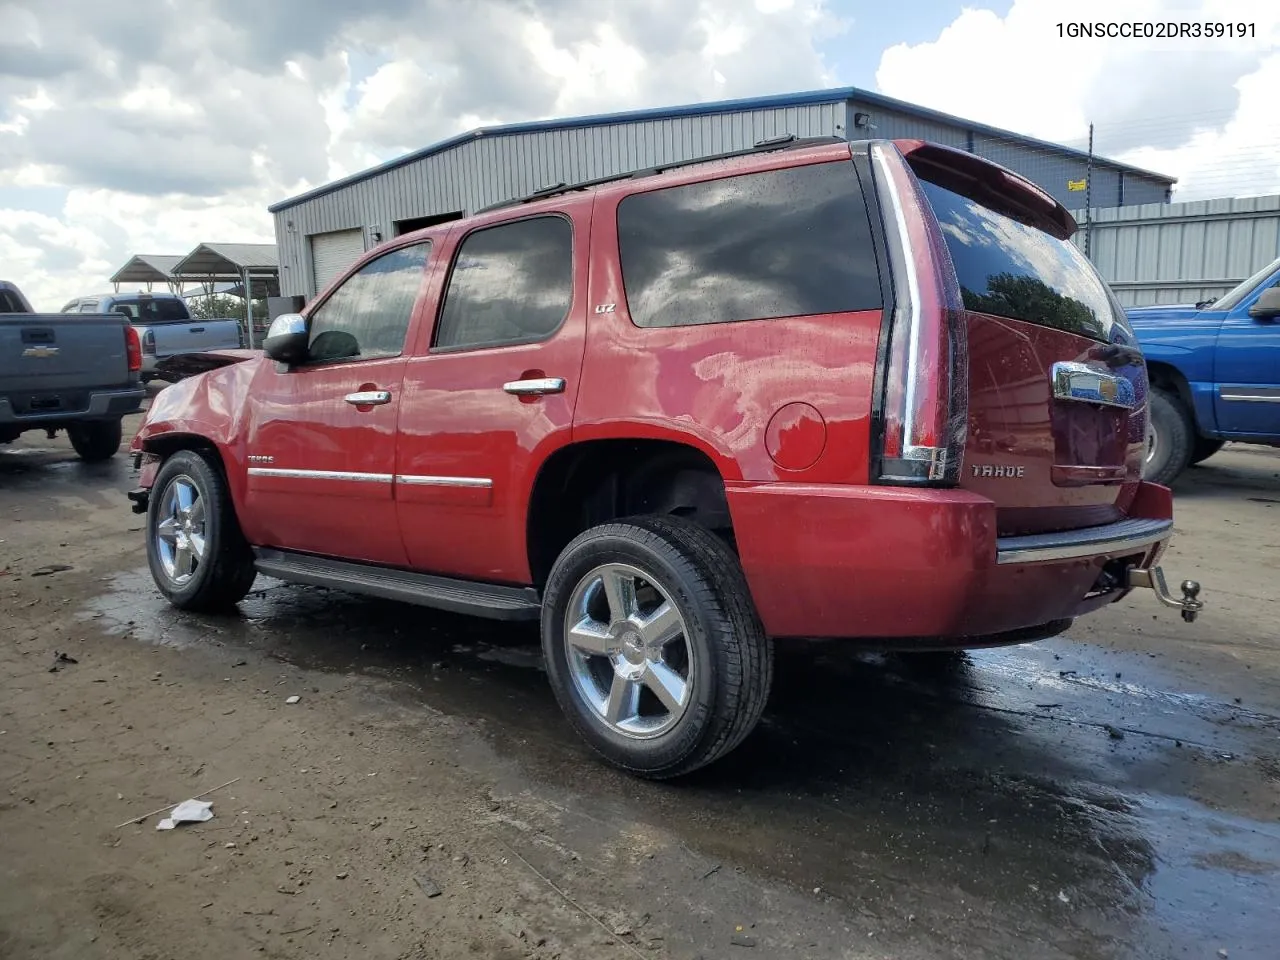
653 645
199 559
95 440
1170 440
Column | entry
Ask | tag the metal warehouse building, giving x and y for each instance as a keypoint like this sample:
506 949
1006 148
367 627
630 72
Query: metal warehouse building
321 232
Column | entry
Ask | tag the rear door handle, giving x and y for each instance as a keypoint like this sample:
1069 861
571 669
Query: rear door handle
196 330
1084 384
368 398
534 388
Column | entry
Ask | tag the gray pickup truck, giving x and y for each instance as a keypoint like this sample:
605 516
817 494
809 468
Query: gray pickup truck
165 326
74 372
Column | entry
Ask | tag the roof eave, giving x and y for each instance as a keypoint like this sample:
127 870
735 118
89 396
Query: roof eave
832 95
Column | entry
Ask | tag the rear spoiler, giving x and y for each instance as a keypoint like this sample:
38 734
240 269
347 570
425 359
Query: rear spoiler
990 184
183 365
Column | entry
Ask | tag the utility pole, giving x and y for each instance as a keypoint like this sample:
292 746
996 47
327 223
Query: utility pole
1088 195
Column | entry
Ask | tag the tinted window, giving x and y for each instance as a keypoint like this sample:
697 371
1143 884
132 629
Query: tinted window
778 244
145 310
90 306
9 303
368 315
1009 269
510 284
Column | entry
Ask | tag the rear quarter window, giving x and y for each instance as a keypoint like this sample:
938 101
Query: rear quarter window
1010 269
780 243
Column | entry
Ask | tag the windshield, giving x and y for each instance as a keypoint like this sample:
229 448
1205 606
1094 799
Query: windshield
1231 299
1010 269
153 310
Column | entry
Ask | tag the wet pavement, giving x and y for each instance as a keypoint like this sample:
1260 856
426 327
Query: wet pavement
1057 794
1058 799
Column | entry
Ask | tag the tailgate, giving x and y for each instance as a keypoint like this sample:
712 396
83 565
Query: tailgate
52 353
194 336
1057 386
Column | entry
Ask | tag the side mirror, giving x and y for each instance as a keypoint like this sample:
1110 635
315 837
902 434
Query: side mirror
1267 306
286 340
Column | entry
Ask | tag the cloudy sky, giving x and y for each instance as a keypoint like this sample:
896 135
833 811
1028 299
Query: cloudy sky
151 125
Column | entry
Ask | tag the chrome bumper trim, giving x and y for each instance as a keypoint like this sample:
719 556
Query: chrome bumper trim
1123 536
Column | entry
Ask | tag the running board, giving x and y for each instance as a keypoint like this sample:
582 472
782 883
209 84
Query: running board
457 596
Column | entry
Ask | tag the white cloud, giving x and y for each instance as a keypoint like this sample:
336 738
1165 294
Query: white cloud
230 105
1202 110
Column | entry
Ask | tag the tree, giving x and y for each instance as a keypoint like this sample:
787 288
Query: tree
218 306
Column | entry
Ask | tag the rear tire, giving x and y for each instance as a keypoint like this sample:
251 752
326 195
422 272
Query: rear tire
1169 444
199 559
672 579
95 440
1204 448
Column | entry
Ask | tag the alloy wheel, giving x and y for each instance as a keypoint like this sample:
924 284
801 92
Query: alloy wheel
180 533
628 651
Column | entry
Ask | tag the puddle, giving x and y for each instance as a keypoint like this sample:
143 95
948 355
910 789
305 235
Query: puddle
986 791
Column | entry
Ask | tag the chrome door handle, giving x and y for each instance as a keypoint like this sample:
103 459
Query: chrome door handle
368 398
1076 381
534 388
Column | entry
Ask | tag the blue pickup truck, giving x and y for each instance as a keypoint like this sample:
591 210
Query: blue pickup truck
1215 373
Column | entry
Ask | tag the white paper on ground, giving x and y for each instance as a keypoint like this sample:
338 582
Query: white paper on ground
188 811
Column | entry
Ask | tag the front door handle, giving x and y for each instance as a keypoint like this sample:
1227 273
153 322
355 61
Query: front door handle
534 388
368 398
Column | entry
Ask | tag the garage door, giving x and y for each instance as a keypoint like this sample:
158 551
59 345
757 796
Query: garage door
331 253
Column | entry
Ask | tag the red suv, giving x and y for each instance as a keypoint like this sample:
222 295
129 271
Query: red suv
809 390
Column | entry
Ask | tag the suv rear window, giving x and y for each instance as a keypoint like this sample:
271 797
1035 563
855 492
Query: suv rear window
1009 269
781 243
147 310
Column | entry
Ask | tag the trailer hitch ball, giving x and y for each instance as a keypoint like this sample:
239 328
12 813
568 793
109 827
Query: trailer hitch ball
1152 578
1191 606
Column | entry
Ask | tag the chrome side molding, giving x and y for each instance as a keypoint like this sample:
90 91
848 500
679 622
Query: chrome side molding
1080 382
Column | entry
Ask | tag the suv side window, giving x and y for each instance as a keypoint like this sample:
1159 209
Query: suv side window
368 315
71 307
511 283
88 306
781 243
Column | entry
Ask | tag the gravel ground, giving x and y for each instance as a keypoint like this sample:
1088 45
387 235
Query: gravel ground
1111 793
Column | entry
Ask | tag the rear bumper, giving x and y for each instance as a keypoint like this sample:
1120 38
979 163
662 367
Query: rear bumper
102 405
885 562
1122 537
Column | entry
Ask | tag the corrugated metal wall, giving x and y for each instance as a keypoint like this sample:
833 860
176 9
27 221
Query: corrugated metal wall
1182 252
492 168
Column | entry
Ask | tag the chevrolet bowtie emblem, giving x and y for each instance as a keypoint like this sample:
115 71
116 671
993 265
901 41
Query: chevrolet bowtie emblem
40 352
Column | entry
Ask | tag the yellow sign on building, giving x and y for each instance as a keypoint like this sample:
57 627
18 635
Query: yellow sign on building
1077 184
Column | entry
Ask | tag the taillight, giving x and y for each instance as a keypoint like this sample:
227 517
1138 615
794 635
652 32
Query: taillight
923 369
149 343
132 348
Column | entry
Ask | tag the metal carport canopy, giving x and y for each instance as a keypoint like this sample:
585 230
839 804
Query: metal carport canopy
254 265
148 268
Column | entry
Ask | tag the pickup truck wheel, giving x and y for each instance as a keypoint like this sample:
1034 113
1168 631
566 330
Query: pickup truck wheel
95 440
1205 448
1169 439
199 559
653 645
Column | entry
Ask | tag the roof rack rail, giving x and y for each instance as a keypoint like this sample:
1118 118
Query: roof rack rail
785 141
